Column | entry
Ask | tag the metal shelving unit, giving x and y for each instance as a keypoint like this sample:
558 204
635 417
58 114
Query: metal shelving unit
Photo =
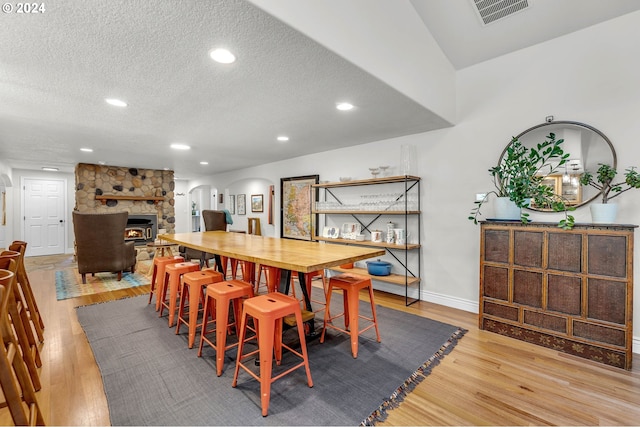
369 218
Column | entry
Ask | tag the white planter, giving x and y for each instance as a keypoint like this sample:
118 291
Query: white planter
603 213
506 209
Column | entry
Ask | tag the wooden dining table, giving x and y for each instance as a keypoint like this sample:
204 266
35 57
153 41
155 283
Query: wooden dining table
286 255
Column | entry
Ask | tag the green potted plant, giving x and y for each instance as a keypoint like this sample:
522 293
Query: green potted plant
603 181
519 177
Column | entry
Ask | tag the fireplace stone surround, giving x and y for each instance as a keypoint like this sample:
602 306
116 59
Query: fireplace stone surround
137 184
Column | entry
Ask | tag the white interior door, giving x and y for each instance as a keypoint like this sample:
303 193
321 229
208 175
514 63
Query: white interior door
44 220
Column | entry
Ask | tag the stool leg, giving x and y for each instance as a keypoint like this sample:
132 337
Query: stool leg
153 283
222 318
326 312
373 311
174 284
266 341
277 341
234 268
182 304
303 344
162 291
243 330
194 305
353 301
205 318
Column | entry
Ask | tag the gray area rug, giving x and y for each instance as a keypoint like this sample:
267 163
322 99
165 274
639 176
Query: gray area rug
151 377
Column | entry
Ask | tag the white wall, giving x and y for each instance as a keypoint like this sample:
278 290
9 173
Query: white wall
590 76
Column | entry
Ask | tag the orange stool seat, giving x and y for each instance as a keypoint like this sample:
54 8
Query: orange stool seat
171 283
159 264
268 311
217 299
351 285
193 284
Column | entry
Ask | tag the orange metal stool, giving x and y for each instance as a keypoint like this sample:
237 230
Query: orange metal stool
268 310
218 298
225 266
351 285
308 277
271 275
171 282
159 264
192 289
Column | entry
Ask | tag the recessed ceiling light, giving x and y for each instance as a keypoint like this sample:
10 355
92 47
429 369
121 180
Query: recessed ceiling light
283 138
46 168
222 56
344 106
204 163
87 150
116 102
180 147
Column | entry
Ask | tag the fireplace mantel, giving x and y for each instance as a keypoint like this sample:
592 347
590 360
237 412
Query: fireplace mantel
104 197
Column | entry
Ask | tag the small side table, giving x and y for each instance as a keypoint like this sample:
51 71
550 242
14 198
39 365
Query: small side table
159 250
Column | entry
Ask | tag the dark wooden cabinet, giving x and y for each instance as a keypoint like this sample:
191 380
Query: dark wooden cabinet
570 290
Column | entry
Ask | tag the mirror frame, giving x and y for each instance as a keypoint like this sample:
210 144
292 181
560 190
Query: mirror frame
573 123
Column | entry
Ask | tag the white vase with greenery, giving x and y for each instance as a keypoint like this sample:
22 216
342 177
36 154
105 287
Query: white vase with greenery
520 175
605 212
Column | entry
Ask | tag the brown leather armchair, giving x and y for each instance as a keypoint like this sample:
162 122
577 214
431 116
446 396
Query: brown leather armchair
213 221
100 244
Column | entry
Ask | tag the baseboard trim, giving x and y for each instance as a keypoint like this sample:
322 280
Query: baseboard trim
449 301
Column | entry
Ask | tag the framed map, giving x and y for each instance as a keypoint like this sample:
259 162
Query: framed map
296 195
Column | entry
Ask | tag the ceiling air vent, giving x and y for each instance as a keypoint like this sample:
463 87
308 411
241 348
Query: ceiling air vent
493 10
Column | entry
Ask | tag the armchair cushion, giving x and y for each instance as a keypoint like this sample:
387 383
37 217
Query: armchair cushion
100 244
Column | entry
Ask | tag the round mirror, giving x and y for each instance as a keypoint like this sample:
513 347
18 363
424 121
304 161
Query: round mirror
587 148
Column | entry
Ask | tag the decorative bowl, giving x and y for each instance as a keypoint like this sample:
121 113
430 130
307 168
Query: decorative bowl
379 268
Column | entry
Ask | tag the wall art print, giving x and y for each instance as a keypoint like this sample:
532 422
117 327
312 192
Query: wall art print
297 196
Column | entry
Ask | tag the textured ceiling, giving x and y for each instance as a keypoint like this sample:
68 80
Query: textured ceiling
56 69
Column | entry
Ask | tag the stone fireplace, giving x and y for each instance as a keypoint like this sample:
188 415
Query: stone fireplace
144 193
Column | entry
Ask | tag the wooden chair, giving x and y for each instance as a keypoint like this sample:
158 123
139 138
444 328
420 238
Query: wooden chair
14 378
20 320
27 292
253 226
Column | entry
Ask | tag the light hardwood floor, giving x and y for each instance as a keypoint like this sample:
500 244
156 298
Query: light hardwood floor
487 380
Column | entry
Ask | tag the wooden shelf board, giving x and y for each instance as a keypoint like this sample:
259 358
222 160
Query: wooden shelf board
396 279
367 243
370 181
104 197
366 212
